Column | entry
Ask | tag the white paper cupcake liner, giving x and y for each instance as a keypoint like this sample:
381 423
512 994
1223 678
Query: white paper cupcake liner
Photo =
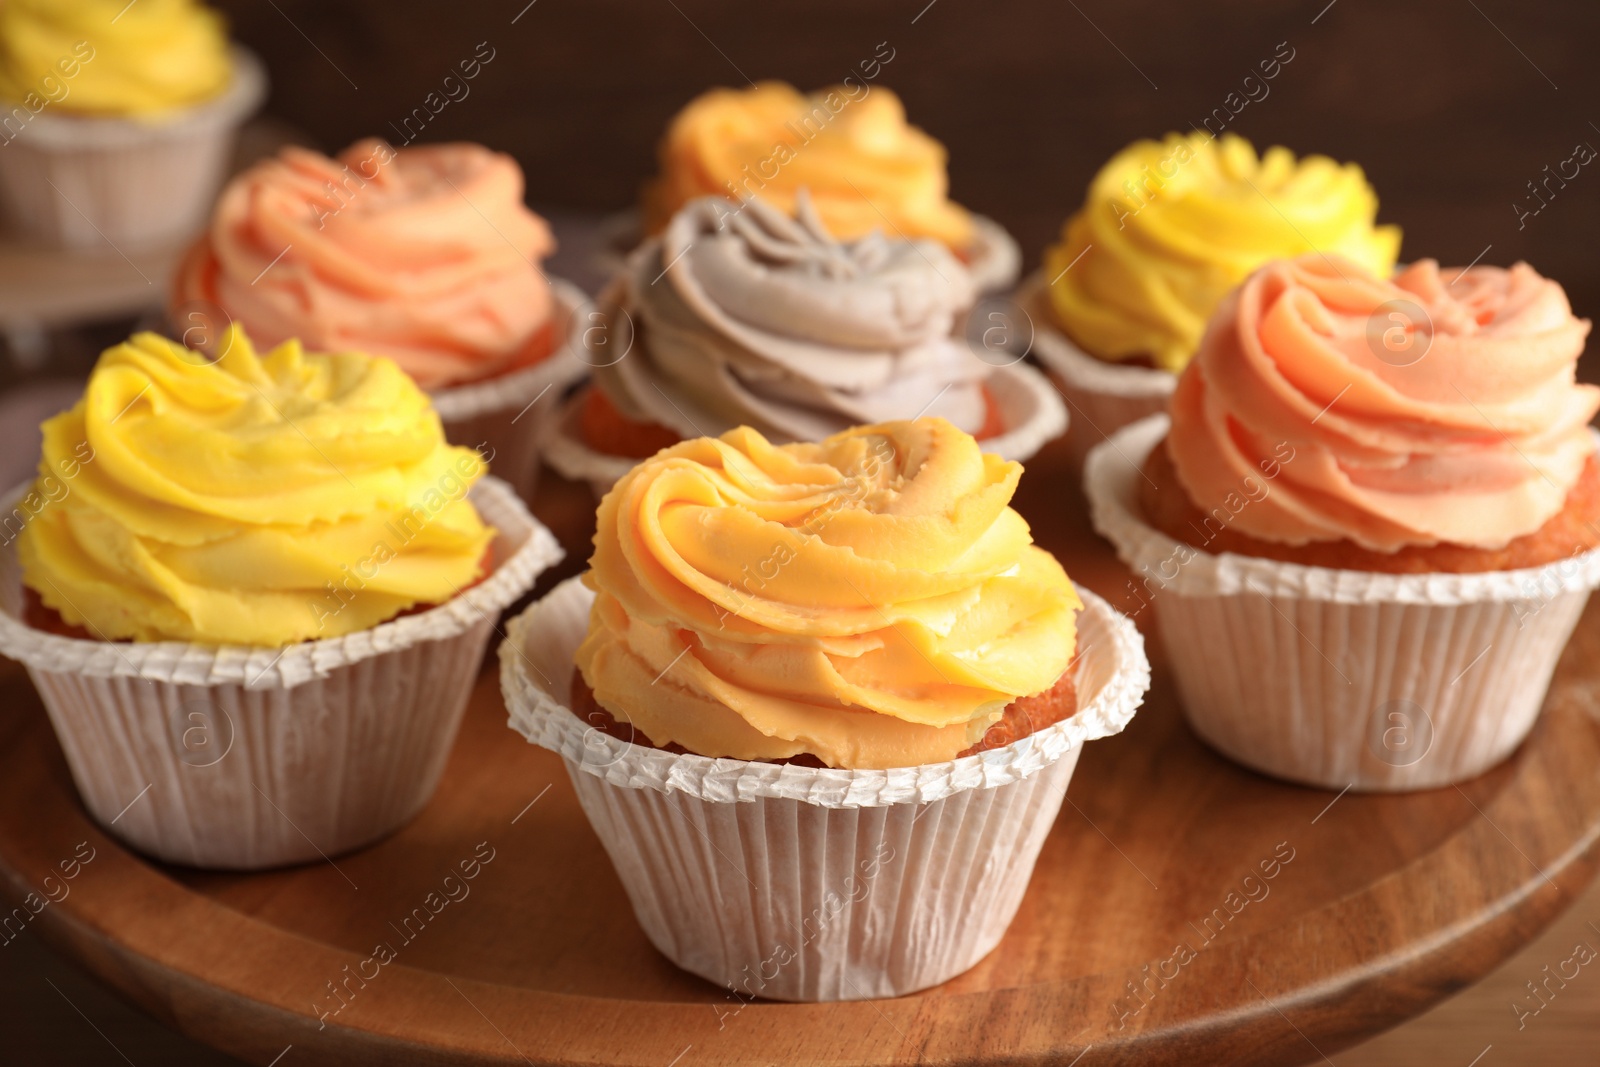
79 181
1029 406
994 260
1340 678
807 884
242 758
1031 409
503 416
1102 397
562 445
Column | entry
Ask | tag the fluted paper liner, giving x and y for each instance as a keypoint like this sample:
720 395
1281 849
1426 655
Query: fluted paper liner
242 758
1029 406
80 181
1342 678
809 884
994 260
506 414
1103 397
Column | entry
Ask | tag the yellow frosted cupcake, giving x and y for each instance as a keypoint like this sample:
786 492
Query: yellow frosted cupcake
1169 228
848 647
117 119
865 166
263 585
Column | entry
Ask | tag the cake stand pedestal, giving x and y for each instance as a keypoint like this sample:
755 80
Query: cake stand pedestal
1149 935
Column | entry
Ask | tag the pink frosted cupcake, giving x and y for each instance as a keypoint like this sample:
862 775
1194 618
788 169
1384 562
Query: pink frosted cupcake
1372 523
424 255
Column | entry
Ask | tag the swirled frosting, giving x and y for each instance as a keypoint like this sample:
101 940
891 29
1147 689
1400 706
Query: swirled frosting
425 255
110 57
871 600
745 316
1169 227
257 500
865 166
1438 407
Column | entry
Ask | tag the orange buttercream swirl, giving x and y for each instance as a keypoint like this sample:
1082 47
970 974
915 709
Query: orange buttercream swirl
865 166
871 599
1441 406
424 255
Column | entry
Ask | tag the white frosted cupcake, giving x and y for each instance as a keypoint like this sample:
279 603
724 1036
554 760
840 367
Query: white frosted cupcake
254 595
117 120
424 255
1372 523
839 657
1166 230
742 316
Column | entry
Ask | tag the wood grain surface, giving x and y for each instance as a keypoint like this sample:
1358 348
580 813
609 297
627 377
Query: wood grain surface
1387 905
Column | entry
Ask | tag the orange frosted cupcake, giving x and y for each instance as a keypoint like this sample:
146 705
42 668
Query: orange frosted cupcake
740 315
1370 492
424 255
843 648
866 168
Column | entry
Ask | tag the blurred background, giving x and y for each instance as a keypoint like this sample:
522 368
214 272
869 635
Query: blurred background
1452 108
1455 108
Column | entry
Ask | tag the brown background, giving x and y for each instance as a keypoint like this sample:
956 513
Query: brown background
1450 113
1449 119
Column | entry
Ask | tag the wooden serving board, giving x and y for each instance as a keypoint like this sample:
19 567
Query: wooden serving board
1377 906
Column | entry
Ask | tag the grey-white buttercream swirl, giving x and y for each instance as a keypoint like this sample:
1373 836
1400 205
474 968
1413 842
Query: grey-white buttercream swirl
744 316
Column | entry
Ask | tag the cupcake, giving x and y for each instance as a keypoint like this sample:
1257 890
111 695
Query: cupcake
426 256
254 595
866 169
117 120
1370 524
739 315
1167 230
843 671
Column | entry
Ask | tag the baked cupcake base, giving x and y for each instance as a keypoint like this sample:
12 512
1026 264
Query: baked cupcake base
1572 531
605 429
1030 412
861 883
1022 717
1341 678
1102 397
243 758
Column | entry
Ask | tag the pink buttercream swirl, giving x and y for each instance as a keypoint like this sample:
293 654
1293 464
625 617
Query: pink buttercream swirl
1441 406
426 255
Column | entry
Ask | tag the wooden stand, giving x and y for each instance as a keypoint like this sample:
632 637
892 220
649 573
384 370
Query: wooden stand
1152 932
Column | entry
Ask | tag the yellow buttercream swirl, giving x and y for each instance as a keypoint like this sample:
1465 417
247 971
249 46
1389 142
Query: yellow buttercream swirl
865 166
109 57
1170 227
871 600
259 500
